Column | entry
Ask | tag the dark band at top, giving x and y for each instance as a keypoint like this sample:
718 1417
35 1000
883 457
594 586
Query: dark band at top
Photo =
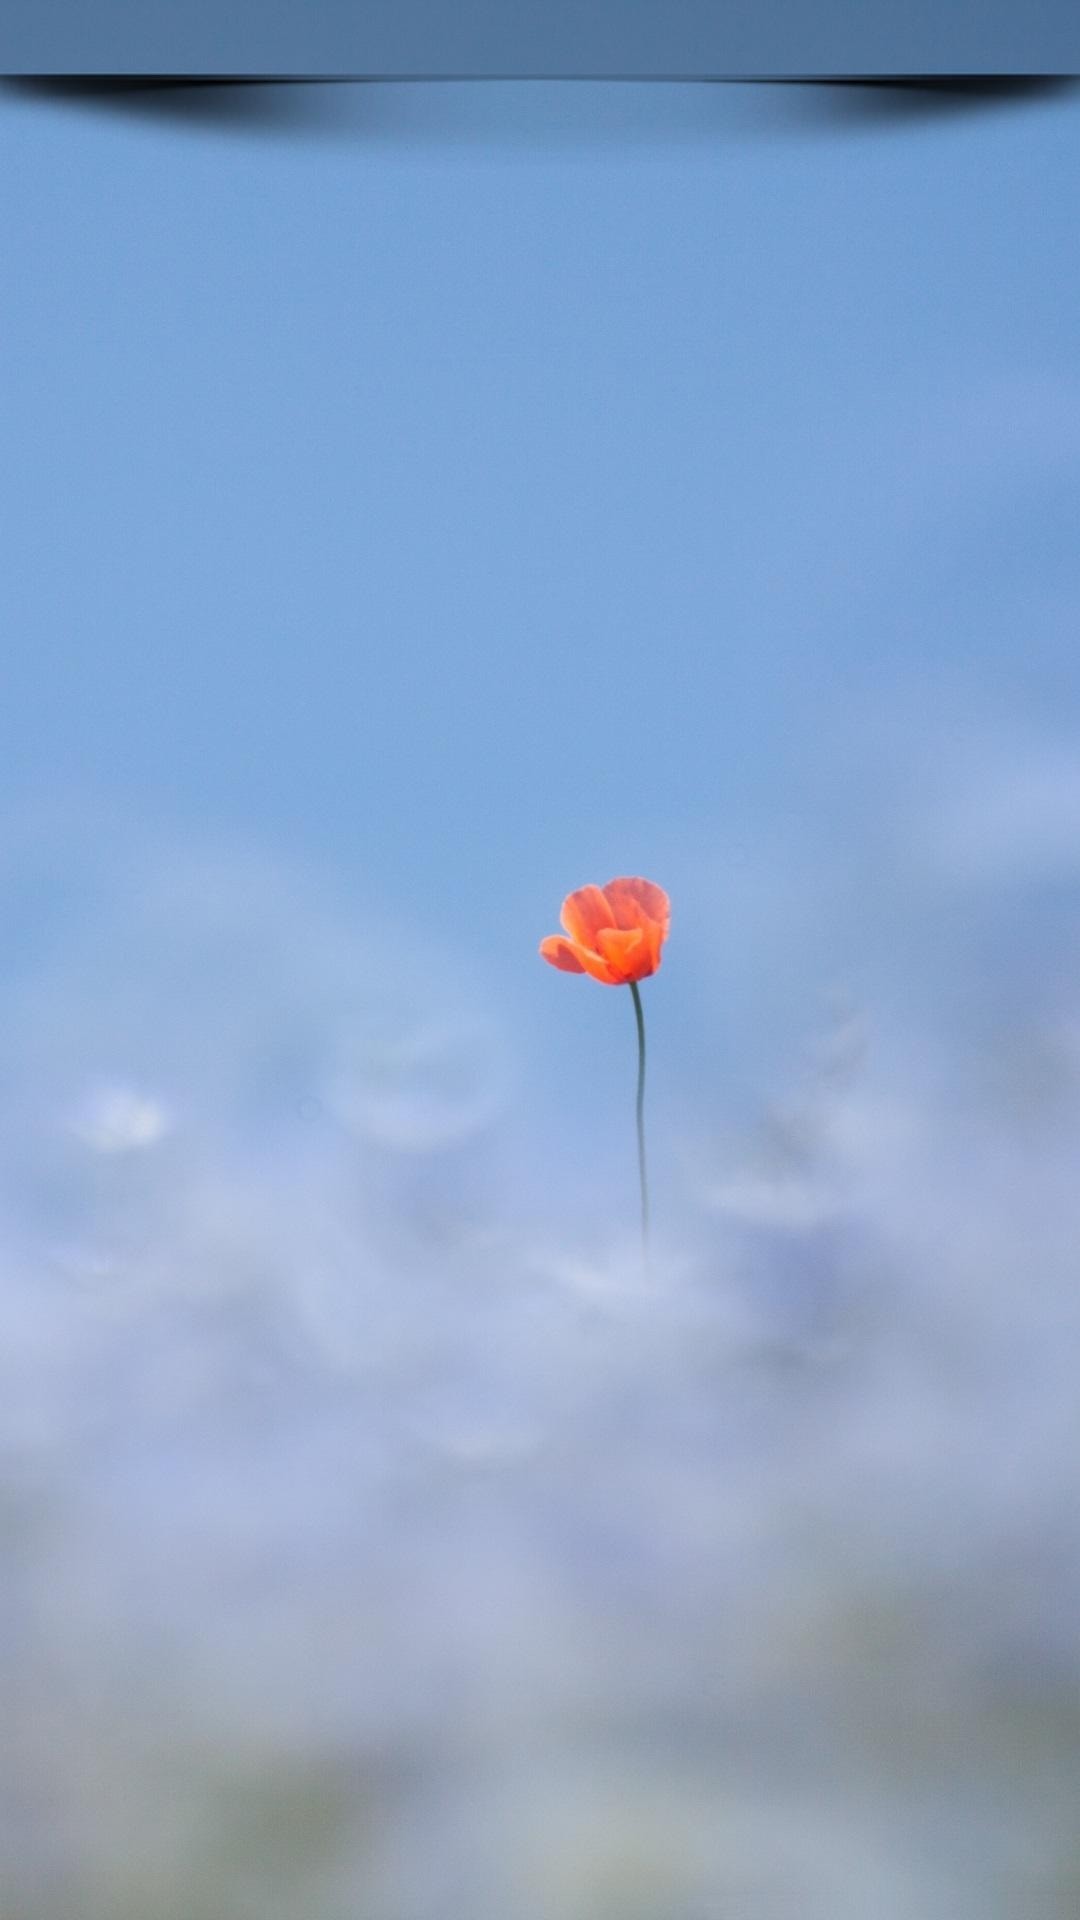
539 39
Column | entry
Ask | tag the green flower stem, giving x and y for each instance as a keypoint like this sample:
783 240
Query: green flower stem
641 1120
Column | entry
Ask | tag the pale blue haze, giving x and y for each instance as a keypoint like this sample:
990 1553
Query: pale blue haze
417 502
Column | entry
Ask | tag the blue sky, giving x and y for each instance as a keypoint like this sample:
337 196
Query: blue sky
469 492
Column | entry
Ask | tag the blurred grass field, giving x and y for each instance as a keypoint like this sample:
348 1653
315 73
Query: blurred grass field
377 1544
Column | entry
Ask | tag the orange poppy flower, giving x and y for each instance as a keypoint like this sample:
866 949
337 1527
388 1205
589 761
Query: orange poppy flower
614 933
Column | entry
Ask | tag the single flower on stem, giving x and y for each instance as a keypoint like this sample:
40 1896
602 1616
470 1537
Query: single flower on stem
615 934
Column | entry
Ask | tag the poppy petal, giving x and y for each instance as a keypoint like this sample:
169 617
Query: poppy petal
584 913
654 939
625 951
571 957
632 902
597 966
560 953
